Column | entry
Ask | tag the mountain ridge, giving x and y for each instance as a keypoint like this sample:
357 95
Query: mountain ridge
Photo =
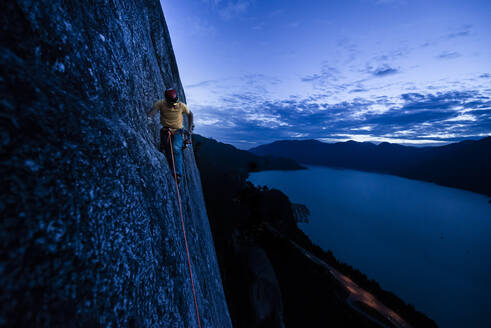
465 164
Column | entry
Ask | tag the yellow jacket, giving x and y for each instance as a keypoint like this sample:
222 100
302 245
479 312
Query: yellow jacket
170 116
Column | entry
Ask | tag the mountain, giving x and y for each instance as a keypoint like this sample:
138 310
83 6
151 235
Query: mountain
227 156
90 232
465 165
268 280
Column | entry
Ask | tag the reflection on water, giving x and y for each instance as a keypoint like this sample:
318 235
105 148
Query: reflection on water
429 244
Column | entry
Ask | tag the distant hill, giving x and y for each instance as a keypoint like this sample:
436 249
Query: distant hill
225 156
465 165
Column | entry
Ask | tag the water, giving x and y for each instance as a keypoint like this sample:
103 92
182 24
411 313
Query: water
431 245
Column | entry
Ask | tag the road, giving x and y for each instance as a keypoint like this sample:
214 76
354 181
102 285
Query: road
356 293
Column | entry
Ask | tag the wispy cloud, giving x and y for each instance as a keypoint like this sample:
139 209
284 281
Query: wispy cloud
460 31
230 9
202 84
383 70
327 74
463 31
212 2
350 48
293 24
259 26
313 77
356 90
202 121
390 2
449 55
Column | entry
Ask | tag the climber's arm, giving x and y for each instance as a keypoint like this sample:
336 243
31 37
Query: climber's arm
190 117
190 122
154 110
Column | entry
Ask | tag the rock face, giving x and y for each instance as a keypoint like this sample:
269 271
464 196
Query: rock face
90 228
264 291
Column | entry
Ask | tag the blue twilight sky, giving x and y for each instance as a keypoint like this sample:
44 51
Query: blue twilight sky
404 71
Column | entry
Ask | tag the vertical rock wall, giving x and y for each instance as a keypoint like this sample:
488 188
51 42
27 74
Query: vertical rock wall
90 231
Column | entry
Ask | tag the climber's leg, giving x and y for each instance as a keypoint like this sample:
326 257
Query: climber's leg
177 148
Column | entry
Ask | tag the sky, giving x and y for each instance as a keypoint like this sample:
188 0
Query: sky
402 71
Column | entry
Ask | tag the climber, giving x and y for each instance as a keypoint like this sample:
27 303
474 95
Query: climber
171 117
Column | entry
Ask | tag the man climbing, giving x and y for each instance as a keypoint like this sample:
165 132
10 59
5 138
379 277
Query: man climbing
171 117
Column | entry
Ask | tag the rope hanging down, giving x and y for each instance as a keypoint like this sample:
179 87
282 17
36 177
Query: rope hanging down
183 229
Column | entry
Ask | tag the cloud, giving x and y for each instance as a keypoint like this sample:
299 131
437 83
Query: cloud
232 9
260 81
198 27
350 48
382 70
199 92
266 120
358 90
441 112
390 2
207 122
465 30
276 12
310 78
212 2
202 84
326 76
293 24
409 118
459 32
363 128
258 26
448 55
229 9
392 55
298 135
376 139
462 117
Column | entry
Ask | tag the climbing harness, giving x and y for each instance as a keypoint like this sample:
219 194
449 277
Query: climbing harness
186 136
169 135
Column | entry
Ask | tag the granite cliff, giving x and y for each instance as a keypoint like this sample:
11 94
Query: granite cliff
90 230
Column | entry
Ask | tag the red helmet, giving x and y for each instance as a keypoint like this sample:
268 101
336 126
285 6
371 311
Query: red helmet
171 96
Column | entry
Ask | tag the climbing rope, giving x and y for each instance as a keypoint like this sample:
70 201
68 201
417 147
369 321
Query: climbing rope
183 229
